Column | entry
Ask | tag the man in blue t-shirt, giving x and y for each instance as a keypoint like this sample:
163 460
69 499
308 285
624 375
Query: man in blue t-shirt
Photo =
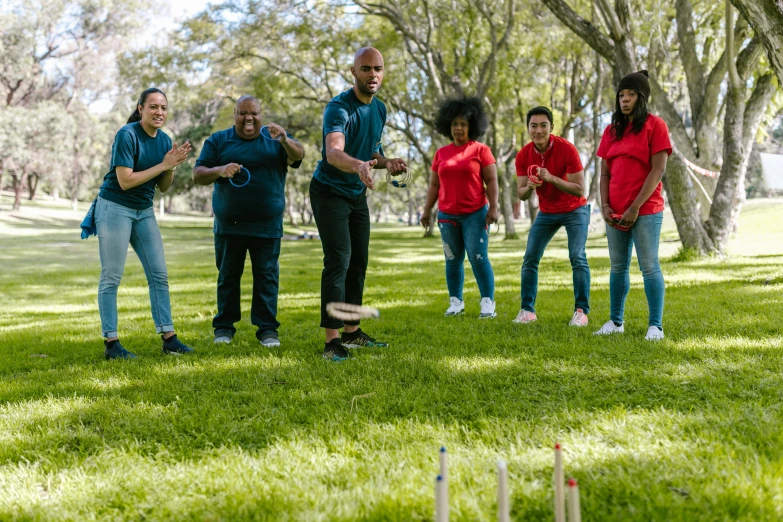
352 128
247 164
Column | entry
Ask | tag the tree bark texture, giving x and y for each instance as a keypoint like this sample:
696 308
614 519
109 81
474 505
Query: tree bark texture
766 17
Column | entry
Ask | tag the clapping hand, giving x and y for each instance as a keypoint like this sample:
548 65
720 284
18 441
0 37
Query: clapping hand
176 156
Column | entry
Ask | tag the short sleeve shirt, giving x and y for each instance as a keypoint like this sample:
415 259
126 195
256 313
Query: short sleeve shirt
137 150
362 124
254 204
462 188
560 159
630 161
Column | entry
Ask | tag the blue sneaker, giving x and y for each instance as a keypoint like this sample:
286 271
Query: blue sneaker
114 350
174 346
335 351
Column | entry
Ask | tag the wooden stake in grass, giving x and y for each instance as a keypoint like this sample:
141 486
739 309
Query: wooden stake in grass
559 480
574 513
443 479
441 500
444 465
504 513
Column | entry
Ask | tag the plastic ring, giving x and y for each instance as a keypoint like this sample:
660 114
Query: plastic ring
231 180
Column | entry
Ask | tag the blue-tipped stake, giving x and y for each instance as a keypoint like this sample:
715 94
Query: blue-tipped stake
444 464
441 500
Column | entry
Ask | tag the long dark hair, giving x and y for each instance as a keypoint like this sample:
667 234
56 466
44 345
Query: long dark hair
469 108
620 120
136 115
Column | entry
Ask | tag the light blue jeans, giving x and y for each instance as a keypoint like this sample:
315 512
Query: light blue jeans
118 226
461 232
645 234
544 228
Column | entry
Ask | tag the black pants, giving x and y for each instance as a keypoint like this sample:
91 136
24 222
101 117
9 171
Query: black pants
344 225
230 254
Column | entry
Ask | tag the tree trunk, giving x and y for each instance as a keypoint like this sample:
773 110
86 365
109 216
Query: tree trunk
32 185
682 200
18 183
593 193
719 224
507 197
754 113
292 208
766 17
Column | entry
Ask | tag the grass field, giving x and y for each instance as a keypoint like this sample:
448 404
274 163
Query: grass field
688 429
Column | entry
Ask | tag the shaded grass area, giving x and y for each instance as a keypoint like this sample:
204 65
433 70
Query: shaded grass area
686 429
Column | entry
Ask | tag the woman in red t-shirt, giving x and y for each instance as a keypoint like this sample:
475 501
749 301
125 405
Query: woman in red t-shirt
634 150
464 177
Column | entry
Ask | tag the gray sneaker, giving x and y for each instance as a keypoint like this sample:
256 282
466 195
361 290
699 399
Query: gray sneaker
223 337
269 339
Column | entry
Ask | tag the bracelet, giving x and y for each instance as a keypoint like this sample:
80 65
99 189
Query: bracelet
604 206
632 210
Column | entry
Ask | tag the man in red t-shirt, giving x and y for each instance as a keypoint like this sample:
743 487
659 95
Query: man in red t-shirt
550 166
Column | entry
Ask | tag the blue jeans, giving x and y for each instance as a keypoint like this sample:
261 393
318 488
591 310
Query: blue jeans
461 232
544 228
645 234
118 226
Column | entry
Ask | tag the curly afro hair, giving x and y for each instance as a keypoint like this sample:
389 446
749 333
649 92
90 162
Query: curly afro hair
469 108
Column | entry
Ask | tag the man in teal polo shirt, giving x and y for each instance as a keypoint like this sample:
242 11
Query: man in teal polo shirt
352 128
247 164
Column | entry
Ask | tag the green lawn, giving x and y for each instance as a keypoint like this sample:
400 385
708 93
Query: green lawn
684 430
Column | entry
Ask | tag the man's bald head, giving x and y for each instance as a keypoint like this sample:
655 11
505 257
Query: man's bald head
371 53
249 99
368 71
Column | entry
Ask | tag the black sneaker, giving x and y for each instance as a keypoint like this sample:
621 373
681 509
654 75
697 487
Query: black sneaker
114 350
174 346
335 351
359 339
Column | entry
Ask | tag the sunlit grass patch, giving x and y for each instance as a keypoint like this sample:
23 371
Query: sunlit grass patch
687 429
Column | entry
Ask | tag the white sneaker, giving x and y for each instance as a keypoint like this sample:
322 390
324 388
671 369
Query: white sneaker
579 318
610 328
525 317
455 308
487 308
654 334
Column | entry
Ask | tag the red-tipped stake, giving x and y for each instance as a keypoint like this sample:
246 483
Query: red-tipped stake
559 480
441 500
574 513
504 514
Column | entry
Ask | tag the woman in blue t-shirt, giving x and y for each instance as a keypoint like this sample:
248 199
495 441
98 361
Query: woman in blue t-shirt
142 158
